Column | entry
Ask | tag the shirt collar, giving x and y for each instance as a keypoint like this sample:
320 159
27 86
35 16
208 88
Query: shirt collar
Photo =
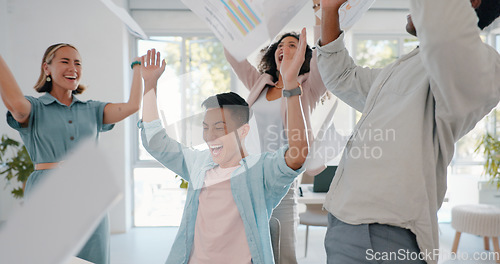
47 99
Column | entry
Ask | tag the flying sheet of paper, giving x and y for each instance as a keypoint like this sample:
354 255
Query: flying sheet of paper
351 11
327 145
125 17
62 212
244 25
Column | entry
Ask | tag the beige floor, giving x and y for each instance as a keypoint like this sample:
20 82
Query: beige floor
152 245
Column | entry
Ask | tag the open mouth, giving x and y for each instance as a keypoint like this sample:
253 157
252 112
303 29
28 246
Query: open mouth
215 150
71 78
280 57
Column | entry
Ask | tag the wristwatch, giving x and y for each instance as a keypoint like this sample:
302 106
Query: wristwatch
292 92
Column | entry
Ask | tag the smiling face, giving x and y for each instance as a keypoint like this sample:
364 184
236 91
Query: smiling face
219 132
287 45
65 69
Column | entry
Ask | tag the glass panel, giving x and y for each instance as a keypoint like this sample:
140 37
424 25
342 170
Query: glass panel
168 84
196 69
183 87
497 41
208 73
465 147
483 36
158 199
376 53
410 44
468 169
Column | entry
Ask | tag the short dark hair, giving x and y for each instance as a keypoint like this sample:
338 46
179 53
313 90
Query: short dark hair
487 12
268 63
232 101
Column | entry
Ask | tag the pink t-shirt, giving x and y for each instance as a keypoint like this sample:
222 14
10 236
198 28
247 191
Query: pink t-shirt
219 234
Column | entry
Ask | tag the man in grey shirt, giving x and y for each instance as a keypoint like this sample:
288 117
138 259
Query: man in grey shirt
391 181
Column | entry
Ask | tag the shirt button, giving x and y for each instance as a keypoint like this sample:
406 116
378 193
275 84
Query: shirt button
72 138
70 121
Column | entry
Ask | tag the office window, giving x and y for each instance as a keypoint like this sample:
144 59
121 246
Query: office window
196 68
378 51
497 41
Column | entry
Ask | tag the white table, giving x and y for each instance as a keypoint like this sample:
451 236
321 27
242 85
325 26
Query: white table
310 197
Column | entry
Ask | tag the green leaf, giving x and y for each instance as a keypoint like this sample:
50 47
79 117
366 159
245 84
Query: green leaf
18 165
18 193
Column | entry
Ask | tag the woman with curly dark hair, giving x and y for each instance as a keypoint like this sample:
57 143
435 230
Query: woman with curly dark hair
265 84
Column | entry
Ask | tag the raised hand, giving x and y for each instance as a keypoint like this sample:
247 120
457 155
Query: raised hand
151 68
291 64
330 24
325 4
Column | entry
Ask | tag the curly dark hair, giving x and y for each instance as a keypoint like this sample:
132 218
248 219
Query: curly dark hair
268 63
487 12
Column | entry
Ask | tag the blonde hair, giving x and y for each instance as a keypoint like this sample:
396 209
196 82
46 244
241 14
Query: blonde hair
42 85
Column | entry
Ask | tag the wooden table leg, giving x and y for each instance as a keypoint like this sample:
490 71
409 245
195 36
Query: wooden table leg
496 248
455 242
486 243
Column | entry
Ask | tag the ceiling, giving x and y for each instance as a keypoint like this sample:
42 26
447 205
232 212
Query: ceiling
178 5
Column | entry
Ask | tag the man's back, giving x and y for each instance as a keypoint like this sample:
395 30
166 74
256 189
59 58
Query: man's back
394 167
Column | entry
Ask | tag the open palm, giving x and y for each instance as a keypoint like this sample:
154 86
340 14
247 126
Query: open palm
290 66
151 66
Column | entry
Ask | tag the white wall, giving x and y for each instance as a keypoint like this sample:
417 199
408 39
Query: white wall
29 27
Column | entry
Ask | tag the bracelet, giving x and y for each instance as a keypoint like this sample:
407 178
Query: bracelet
135 63
316 5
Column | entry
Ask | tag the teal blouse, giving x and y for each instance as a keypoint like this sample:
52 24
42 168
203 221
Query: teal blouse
55 128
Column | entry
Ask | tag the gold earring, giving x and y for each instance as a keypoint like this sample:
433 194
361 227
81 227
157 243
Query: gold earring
48 78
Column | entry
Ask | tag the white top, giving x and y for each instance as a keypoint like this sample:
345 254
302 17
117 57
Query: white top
266 126
393 170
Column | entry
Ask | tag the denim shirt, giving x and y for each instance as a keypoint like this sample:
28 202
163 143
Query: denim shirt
258 186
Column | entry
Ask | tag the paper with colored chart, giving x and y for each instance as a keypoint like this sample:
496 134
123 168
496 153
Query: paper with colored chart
351 11
62 211
244 25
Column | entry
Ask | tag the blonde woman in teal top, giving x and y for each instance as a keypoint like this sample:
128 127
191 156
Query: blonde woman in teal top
54 123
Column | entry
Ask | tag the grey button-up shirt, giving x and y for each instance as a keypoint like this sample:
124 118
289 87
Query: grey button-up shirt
394 167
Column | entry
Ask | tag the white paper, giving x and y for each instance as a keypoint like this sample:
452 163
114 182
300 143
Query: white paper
350 12
62 212
244 25
327 145
125 17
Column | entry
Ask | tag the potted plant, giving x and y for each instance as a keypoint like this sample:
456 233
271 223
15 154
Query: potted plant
491 150
488 190
15 164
